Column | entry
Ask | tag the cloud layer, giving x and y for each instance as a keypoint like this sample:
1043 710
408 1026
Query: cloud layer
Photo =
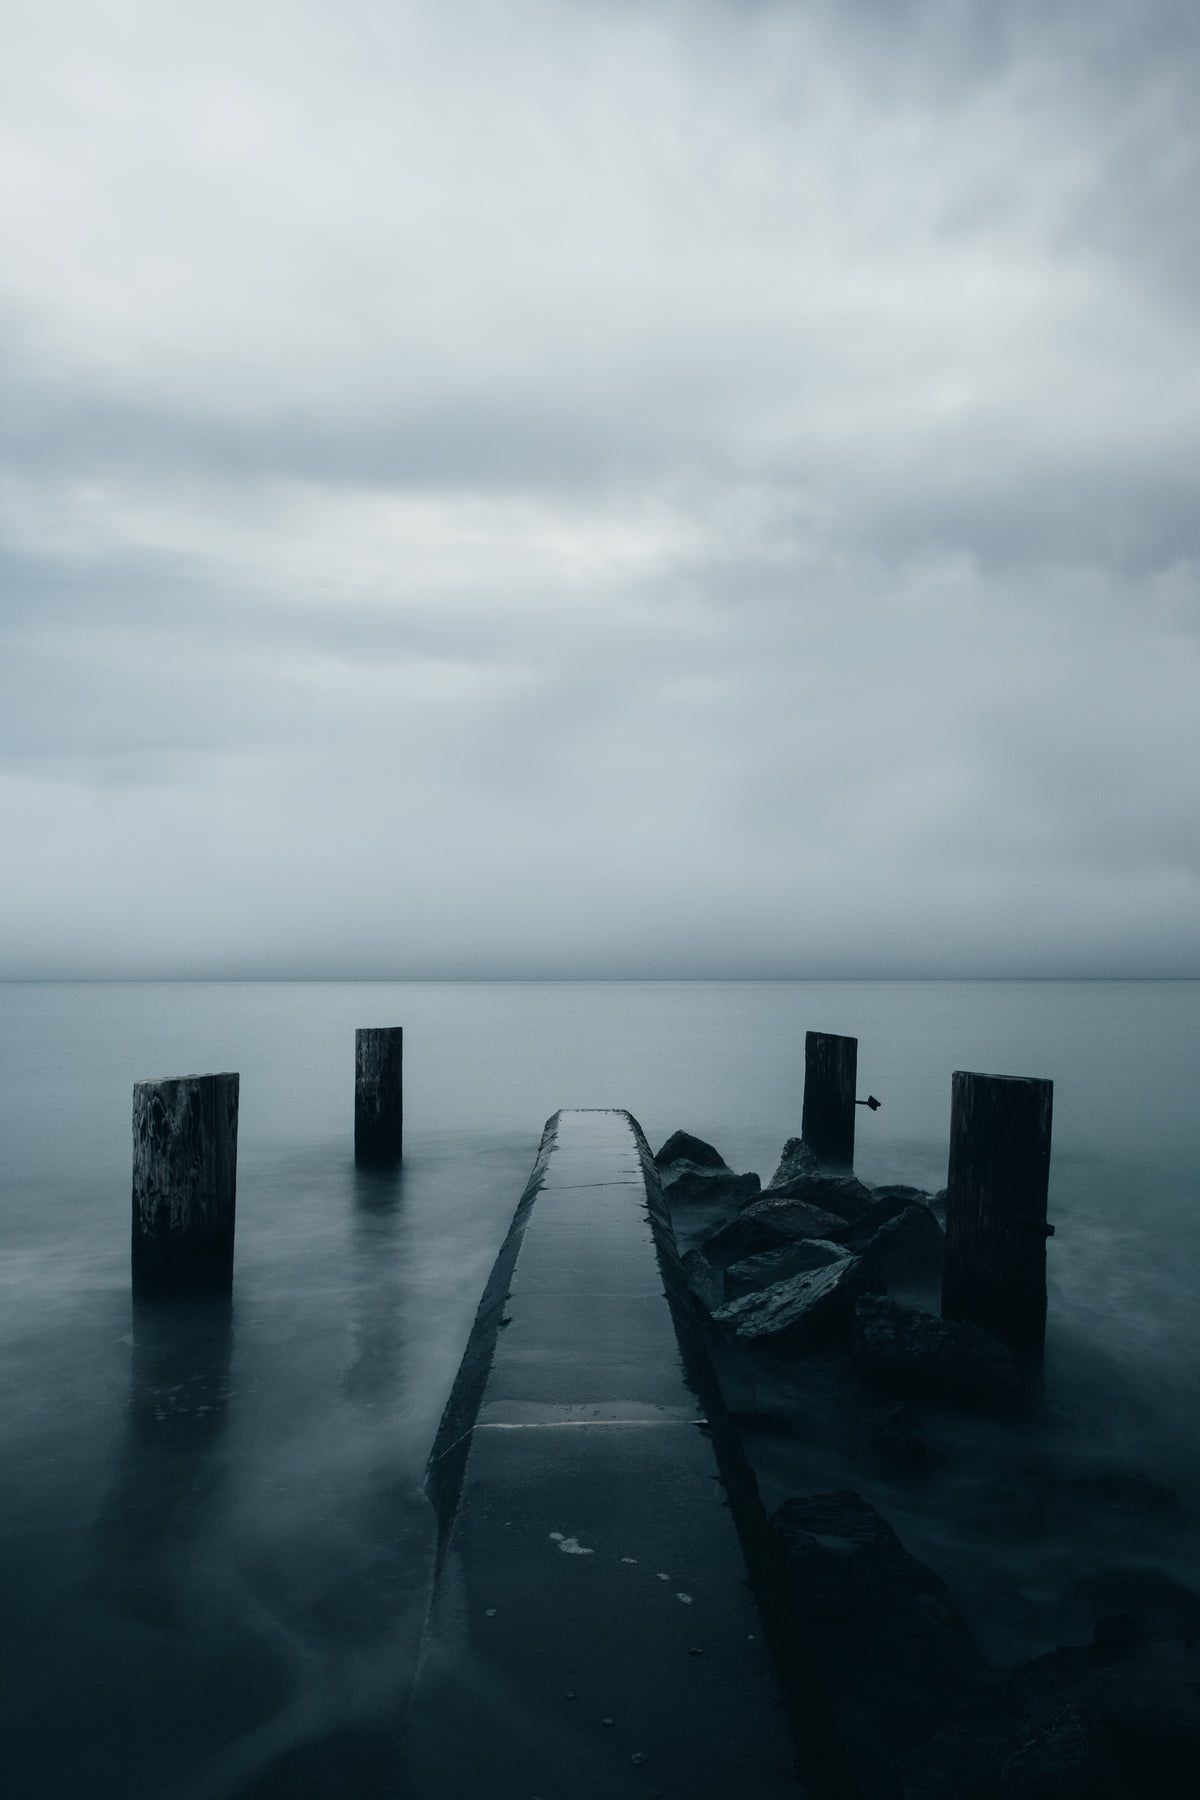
591 488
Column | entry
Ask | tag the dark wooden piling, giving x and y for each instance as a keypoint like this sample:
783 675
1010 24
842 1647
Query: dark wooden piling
995 1267
379 1093
184 1184
830 1075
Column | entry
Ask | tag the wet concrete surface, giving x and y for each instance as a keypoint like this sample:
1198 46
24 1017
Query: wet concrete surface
593 1630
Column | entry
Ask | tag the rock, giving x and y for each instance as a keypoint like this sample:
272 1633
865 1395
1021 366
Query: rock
814 1307
692 1171
843 1195
1143 1697
917 1356
895 1436
1059 1755
1162 1606
769 1266
907 1247
882 1625
768 1224
681 1146
705 1279
797 1159
1123 1491
894 1191
884 1204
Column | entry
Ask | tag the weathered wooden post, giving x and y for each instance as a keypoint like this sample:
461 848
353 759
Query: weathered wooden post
830 1075
378 1093
184 1183
995 1266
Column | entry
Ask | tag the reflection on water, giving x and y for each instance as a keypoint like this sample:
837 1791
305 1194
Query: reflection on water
214 1548
169 1468
376 1285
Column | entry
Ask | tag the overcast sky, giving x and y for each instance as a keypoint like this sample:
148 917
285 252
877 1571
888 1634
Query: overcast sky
567 486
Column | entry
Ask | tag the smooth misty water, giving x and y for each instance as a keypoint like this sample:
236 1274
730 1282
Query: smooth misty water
215 1551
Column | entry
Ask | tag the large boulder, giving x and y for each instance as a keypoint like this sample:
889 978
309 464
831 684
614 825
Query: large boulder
693 1172
770 1266
769 1223
814 1307
796 1160
907 1248
917 1356
884 1627
844 1195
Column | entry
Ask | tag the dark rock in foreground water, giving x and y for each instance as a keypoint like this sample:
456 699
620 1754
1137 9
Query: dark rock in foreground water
895 1436
692 1171
917 1356
899 1657
814 1307
1105 1720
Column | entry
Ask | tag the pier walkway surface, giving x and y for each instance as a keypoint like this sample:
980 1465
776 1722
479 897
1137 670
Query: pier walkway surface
593 1632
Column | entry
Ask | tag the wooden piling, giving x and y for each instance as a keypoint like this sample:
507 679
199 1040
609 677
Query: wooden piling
378 1093
995 1265
184 1184
830 1075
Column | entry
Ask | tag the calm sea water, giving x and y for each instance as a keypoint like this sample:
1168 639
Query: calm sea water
215 1551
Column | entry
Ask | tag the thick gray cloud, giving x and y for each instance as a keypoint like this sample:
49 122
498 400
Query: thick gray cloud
549 488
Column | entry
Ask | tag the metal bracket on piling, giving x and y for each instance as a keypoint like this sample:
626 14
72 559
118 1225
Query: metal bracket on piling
870 1101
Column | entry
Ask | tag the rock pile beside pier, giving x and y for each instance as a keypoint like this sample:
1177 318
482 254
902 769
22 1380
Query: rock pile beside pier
820 1297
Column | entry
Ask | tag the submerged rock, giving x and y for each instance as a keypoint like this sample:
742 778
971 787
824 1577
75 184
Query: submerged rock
769 1266
917 1356
813 1307
692 1171
894 1435
882 1624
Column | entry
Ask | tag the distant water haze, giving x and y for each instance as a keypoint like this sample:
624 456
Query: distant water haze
214 1549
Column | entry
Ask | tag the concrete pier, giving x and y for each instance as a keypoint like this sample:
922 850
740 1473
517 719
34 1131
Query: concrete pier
594 1630
379 1093
184 1184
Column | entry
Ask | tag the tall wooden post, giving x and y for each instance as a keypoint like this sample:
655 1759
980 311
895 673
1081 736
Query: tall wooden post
379 1093
995 1266
184 1184
830 1076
